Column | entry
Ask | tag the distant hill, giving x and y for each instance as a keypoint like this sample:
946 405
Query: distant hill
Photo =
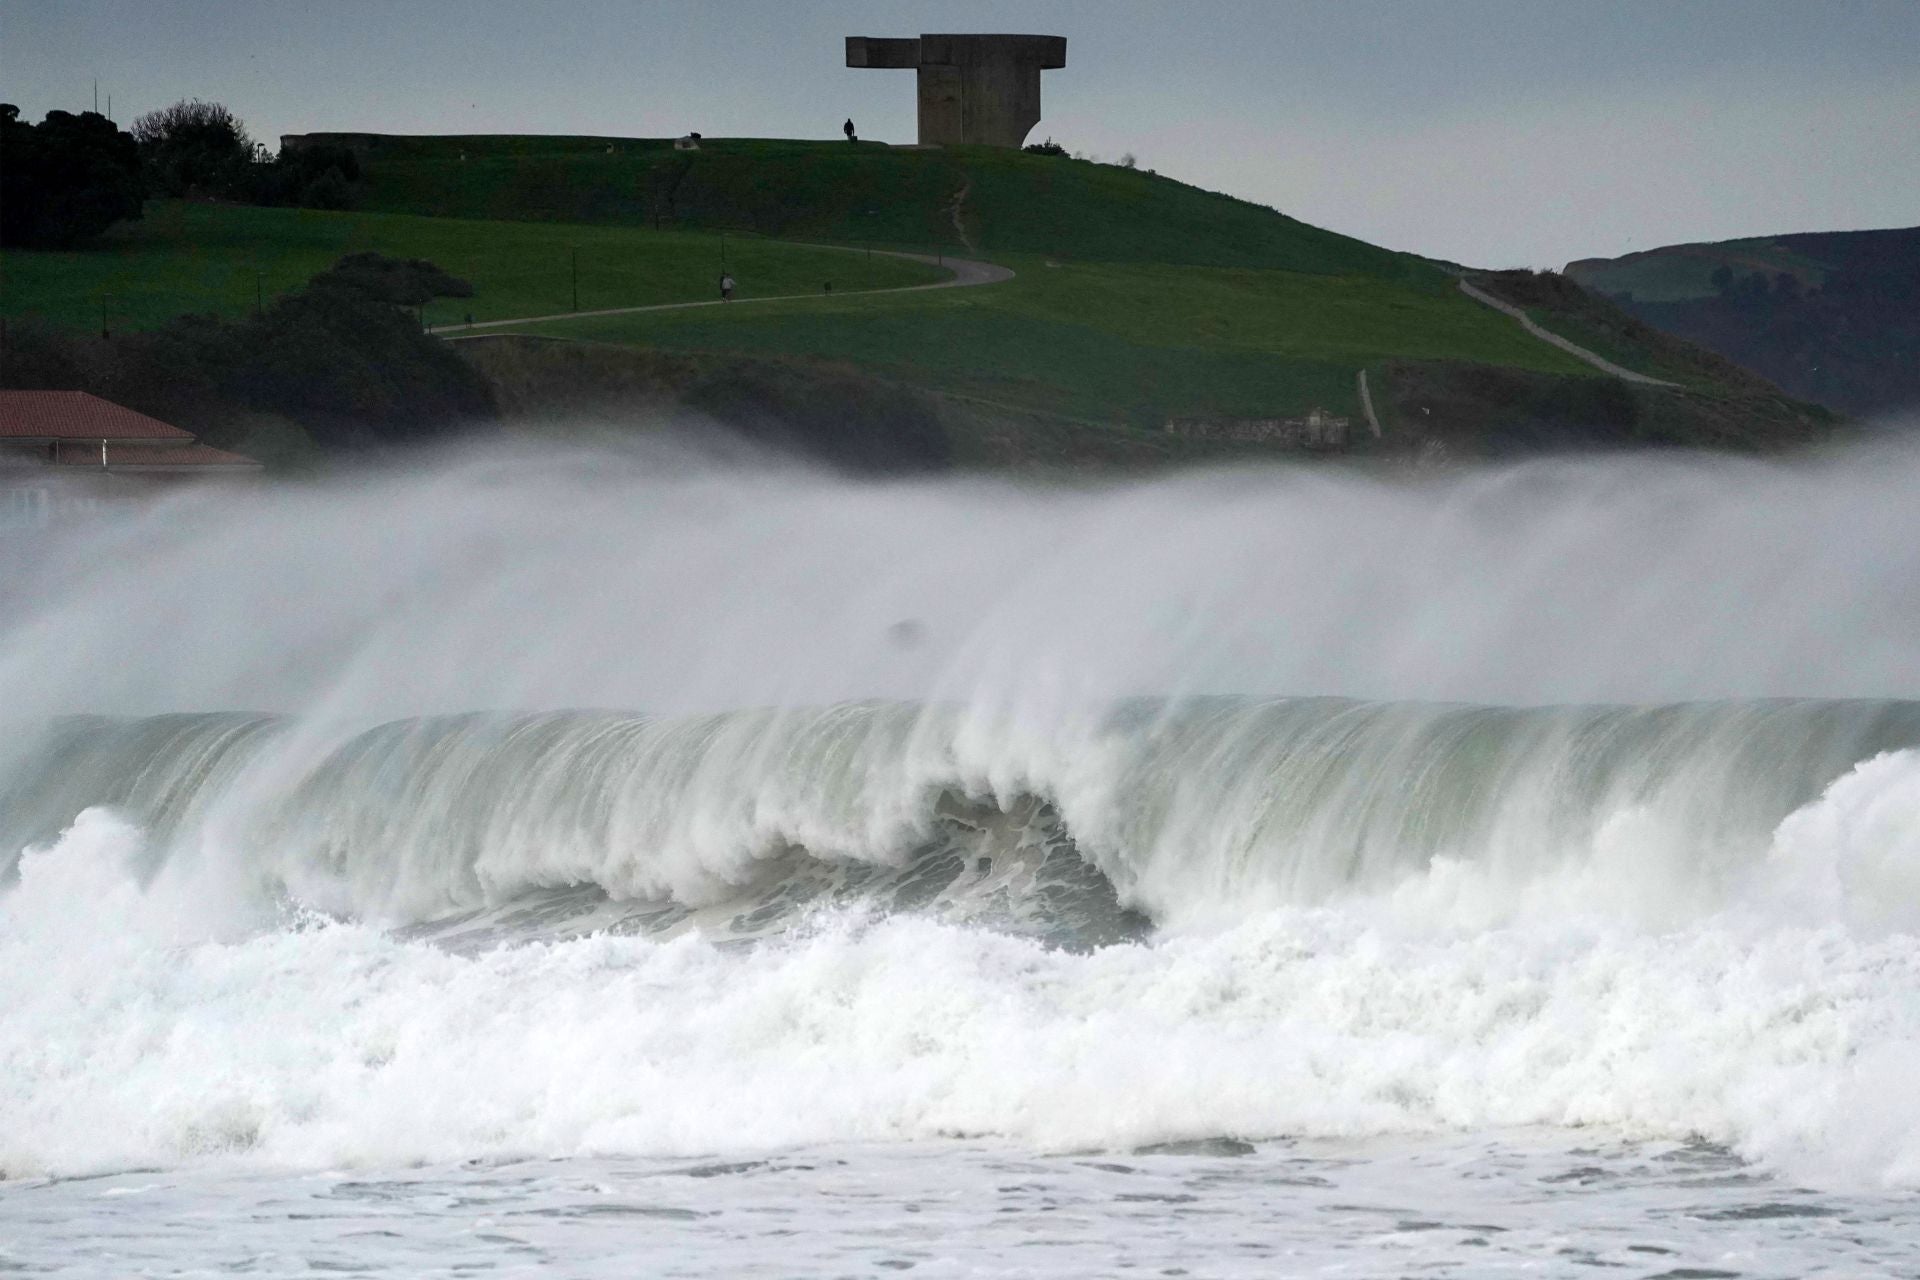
1832 317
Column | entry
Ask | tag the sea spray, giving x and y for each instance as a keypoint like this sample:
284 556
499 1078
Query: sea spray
585 804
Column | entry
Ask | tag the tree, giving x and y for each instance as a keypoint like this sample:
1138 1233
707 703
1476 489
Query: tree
67 180
339 358
309 176
345 361
194 148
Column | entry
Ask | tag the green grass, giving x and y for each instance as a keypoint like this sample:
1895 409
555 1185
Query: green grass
185 257
1122 343
1015 202
1137 299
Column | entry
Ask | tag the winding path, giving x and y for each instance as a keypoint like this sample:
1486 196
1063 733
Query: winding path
966 274
1572 349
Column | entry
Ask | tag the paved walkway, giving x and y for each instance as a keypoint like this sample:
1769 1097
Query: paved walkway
966 273
1572 349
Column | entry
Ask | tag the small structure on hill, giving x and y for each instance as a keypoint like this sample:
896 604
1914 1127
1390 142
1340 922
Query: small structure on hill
65 451
983 90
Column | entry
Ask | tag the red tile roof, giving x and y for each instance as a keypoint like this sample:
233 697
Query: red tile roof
75 415
147 457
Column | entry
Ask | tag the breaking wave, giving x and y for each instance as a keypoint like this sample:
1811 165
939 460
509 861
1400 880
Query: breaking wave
1207 810
954 833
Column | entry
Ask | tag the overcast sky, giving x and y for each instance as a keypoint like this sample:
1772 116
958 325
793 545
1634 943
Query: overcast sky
1494 132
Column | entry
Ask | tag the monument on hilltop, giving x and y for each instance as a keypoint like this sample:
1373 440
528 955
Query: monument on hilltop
983 90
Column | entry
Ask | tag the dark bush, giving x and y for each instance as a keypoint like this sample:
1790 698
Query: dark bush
1047 148
355 370
67 180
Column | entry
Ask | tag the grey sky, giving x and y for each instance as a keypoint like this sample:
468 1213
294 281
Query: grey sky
1497 132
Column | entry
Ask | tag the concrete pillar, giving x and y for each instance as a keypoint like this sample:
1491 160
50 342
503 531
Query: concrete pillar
980 90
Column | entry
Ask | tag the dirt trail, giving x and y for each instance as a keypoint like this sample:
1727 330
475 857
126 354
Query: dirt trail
1572 349
1366 405
958 205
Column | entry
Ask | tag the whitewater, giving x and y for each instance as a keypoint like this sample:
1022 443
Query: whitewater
651 860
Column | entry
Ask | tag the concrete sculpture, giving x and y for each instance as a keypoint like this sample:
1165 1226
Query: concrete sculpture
982 90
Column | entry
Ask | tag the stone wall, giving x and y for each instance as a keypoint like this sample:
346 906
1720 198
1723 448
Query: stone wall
1317 430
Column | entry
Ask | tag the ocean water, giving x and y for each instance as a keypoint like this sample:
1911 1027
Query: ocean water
650 863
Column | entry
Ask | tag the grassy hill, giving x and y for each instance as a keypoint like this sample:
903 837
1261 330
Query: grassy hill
1136 300
1831 316
1123 343
866 193
192 257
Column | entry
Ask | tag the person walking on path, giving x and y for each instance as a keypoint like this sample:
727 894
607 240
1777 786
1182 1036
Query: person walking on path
847 129
726 286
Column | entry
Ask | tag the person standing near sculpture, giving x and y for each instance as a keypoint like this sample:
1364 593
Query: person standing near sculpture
847 129
726 286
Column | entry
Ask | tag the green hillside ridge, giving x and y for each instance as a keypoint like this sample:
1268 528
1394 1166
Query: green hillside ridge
1833 317
1682 271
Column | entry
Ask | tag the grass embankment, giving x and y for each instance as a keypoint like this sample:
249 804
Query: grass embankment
188 257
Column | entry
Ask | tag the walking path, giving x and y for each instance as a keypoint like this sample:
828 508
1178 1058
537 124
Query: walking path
1366 405
966 273
1572 349
960 204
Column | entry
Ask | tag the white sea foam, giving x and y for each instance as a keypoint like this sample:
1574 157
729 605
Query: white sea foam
333 1043
1658 916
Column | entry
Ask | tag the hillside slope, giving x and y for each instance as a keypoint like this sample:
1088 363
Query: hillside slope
1830 316
987 199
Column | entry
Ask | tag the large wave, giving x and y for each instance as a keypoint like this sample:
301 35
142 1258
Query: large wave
1207 810
1256 804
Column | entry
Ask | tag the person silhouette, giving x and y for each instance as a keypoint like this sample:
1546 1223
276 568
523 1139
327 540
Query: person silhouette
847 129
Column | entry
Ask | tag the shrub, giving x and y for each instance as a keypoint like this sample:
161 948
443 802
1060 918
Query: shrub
408 282
1047 148
67 180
